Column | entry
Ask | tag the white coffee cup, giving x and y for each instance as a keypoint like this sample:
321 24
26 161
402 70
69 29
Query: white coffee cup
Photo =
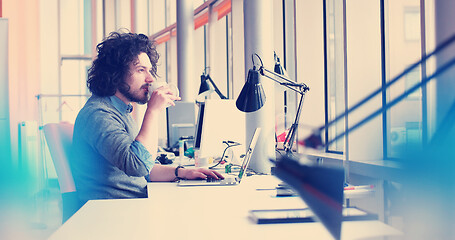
158 84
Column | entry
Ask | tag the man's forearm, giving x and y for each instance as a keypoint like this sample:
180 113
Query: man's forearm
148 134
161 173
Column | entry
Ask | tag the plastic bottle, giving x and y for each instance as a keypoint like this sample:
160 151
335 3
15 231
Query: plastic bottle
181 150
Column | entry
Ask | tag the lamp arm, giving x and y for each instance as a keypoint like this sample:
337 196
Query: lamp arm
289 141
263 69
217 90
294 86
300 88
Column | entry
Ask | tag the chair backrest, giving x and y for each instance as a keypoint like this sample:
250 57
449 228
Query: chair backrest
59 137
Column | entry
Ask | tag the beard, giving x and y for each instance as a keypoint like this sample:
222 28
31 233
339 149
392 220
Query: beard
136 95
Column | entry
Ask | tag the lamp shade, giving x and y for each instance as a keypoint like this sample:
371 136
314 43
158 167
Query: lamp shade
204 88
252 96
278 68
208 87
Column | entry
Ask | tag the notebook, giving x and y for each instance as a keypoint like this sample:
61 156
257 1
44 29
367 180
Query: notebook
229 180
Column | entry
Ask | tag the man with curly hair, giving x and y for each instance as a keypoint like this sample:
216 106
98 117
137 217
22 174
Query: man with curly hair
112 157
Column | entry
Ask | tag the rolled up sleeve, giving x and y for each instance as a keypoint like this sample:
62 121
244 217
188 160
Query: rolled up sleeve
107 134
143 155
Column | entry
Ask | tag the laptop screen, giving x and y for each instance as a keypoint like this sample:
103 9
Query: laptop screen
249 152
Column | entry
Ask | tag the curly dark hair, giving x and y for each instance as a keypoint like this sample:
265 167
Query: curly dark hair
115 53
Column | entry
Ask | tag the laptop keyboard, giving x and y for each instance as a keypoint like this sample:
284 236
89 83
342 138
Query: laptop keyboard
213 180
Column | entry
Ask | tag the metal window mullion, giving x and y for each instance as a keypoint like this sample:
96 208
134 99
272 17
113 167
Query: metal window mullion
133 16
345 75
209 41
283 6
104 18
290 56
384 103
229 69
326 80
168 131
60 62
294 43
383 79
167 44
423 68
94 27
76 57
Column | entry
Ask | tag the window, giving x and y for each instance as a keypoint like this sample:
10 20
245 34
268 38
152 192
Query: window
404 120
309 63
327 46
211 41
411 20
364 64
364 76
64 92
335 54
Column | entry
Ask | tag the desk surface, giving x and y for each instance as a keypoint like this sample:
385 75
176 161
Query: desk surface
204 212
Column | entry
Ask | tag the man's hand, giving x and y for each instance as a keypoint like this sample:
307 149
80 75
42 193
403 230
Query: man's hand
161 98
199 173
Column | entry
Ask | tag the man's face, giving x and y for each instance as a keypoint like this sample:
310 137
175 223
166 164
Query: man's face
139 80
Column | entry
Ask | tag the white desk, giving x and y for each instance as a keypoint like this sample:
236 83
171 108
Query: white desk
205 212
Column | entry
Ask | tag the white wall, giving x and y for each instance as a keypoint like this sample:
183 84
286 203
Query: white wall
5 141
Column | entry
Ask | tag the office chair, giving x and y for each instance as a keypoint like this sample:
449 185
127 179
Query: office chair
59 137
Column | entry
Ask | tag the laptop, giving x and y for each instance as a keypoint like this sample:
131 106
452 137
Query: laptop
228 180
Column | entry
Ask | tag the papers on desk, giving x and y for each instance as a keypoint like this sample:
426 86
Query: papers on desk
350 191
304 215
360 191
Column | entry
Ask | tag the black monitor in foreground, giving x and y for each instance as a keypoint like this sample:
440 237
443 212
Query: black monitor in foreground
320 187
198 128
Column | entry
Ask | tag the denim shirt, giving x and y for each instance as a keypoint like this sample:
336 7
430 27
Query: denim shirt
107 161
137 147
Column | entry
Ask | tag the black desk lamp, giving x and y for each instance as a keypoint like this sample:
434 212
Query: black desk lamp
300 177
207 87
252 96
320 187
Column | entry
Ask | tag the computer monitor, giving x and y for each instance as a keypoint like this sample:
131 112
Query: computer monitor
180 121
218 120
198 128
